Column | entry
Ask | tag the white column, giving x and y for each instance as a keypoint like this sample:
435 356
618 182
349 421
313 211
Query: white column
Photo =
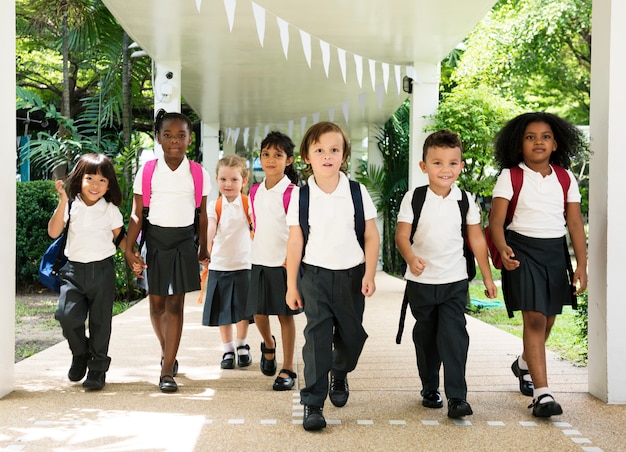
375 158
424 102
607 247
166 88
7 186
211 153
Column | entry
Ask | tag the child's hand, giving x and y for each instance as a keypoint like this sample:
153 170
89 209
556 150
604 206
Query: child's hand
507 255
491 290
417 266
368 287
293 300
58 186
203 257
580 280
135 262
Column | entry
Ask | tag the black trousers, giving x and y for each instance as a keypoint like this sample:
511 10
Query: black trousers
440 334
334 334
88 291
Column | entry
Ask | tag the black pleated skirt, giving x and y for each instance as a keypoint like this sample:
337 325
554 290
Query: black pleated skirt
541 282
268 287
172 259
226 296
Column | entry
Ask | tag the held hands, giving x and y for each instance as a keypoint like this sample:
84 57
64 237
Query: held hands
135 262
417 266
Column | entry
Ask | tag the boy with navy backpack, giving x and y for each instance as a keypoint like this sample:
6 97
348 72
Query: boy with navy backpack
434 225
332 253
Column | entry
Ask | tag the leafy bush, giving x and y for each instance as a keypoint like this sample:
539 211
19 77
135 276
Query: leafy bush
581 321
35 202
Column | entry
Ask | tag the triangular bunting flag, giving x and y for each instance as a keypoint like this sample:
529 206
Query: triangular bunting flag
230 12
345 107
259 18
341 54
372 65
362 98
306 46
385 75
398 77
283 27
358 61
325 55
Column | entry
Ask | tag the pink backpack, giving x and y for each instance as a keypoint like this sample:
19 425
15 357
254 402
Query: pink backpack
286 198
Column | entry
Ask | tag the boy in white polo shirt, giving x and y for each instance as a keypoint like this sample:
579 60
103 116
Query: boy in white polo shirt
337 245
437 278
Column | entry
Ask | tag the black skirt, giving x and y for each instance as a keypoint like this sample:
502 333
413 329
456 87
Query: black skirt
172 259
541 282
268 287
226 295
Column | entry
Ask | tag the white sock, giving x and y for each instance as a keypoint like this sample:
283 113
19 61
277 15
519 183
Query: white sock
229 347
523 365
541 391
242 343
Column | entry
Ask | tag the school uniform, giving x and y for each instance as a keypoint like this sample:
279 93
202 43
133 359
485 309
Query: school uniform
88 280
438 296
172 256
333 267
537 236
229 269
268 277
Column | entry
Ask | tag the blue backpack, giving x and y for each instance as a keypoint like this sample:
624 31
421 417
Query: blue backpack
54 258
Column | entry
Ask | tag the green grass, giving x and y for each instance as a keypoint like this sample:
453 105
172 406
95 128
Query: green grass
563 339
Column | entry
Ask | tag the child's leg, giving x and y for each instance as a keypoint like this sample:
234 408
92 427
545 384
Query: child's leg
242 329
172 330
288 333
157 318
452 338
226 333
101 296
537 328
262 323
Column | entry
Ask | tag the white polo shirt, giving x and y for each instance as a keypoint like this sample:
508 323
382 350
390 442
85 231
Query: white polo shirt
173 199
232 243
332 240
90 237
269 246
437 239
539 210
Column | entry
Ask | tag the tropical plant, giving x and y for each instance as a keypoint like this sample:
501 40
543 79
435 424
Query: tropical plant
388 184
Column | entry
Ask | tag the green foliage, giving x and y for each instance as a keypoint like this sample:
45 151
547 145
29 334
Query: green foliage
387 185
535 51
35 202
476 115
582 313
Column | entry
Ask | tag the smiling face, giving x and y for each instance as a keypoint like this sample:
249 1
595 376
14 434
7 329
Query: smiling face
274 161
538 144
175 138
326 155
230 182
93 188
443 166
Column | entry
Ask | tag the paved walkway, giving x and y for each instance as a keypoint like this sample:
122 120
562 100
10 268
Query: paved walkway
237 410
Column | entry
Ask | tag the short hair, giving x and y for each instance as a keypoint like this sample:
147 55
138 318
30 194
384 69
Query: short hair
442 139
281 141
94 164
313 136
162 116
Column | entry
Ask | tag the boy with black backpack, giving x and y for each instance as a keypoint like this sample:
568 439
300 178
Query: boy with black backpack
434 225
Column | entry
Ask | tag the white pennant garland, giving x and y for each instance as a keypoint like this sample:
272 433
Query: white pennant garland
306 46
198 5
341 55
230 6
325 55
398 78
259 18
372 65
283 27
385 67
345 107
358 62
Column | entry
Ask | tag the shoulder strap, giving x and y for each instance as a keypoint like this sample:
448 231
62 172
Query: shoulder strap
58 263
218 207
253 190
517 179
287 196
245 202
417 202
565 181
146 181
464 207
359 213
303 214
198 181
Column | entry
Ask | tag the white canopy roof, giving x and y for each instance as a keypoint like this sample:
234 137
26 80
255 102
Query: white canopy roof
248 64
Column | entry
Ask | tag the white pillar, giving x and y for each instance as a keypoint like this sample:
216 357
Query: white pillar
211 153
607 247
375 158
7 186
166 88
424 102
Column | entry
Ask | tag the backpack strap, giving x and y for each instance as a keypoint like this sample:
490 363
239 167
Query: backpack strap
245 203
565 181
359 213
218 208
59 261
467 251
417 202
252 195
146 181
287 196
198 181
517 179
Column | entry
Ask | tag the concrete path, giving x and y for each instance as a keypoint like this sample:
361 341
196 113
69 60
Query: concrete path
237 410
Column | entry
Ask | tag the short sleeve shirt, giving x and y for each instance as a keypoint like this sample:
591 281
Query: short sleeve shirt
438 238
332 242
232 243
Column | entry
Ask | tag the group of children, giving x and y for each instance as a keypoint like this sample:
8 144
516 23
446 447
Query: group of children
314 249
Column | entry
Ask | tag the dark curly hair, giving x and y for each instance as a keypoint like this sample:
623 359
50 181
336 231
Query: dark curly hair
281 141
162 116
570 140
94 164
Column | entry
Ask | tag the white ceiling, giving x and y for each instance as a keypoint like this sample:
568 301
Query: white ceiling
230 79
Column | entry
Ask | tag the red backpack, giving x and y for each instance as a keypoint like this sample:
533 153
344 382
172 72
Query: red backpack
517 179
